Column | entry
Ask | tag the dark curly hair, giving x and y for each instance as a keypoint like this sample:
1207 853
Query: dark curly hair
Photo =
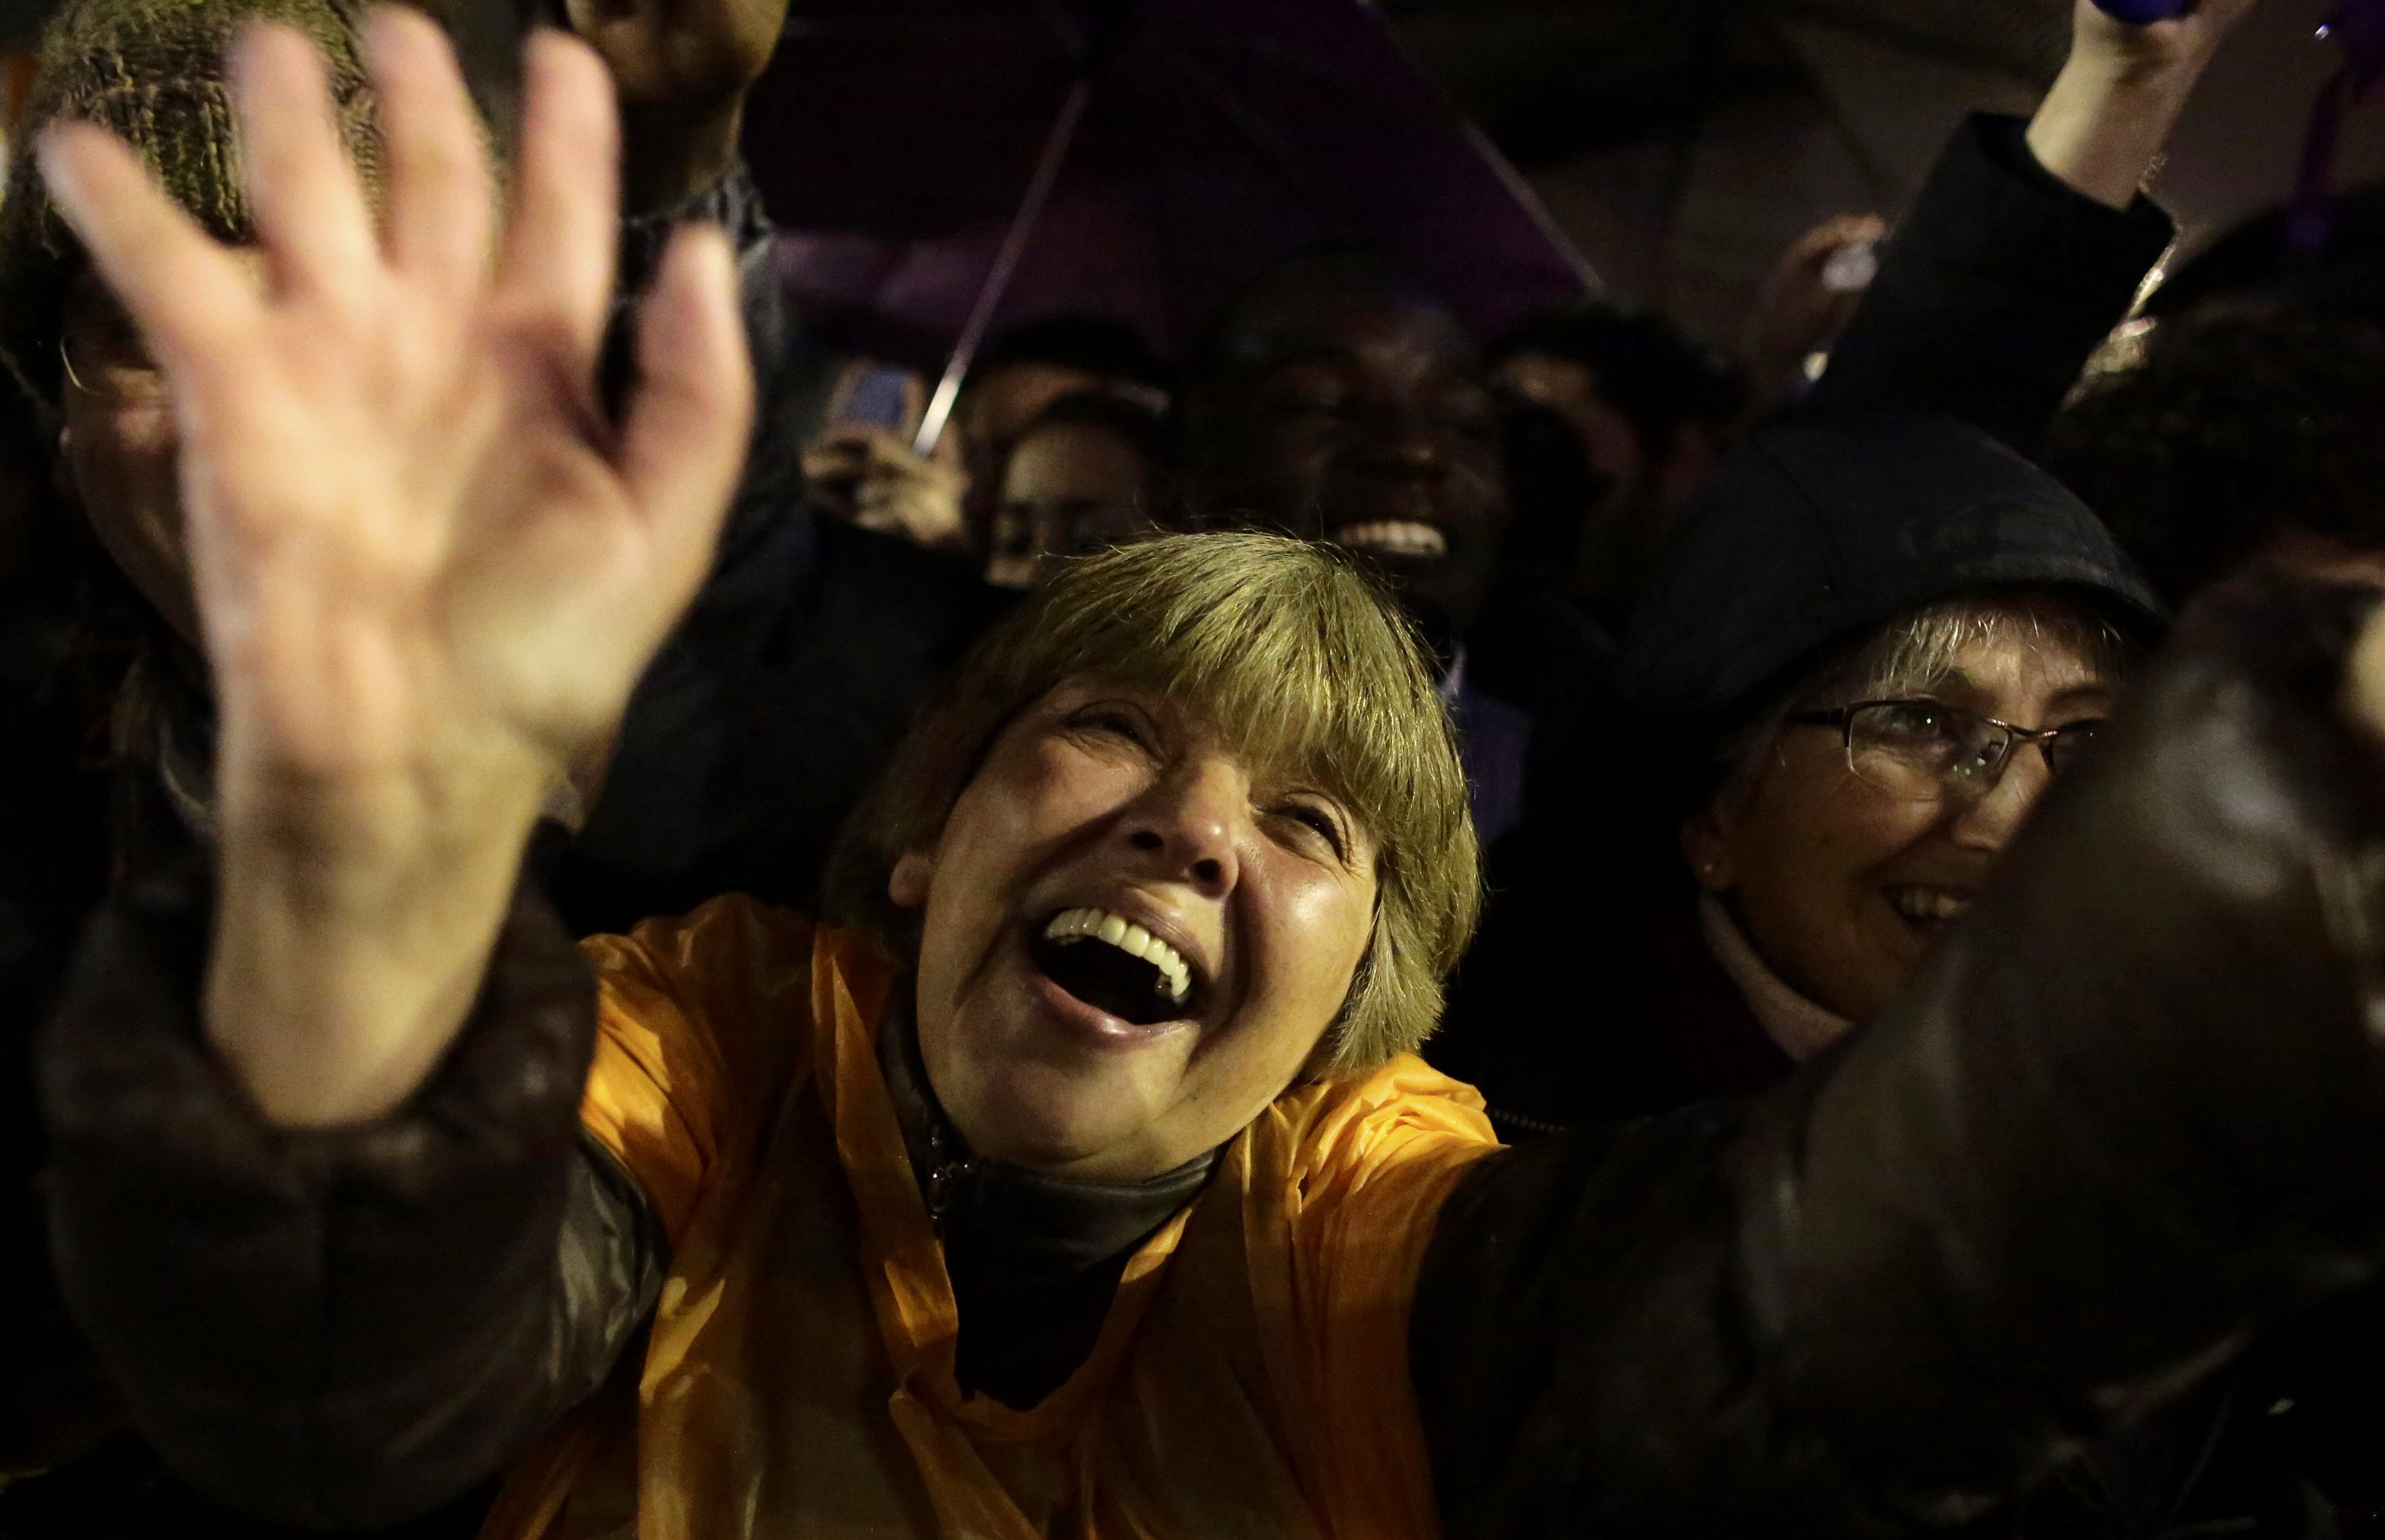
1656 375
2243 419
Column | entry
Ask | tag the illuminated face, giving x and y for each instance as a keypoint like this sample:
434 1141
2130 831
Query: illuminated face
1131 941
1843 888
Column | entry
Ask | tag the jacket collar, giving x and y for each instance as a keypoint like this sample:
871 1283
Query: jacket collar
1801 1028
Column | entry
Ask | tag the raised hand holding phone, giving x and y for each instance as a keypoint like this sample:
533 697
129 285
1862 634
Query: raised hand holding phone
2133 63
429 571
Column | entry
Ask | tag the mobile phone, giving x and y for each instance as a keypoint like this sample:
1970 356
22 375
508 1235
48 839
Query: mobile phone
880 397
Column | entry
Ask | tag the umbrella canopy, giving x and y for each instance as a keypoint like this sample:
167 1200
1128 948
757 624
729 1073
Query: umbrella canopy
1688 143
1186 146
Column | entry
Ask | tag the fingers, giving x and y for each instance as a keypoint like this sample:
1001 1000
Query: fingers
441 198
303 193
186 293
560 239
683 443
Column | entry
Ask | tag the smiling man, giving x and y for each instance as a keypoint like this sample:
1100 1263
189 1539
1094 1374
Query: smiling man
1337 401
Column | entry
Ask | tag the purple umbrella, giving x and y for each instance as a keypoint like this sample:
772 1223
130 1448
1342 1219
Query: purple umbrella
946 166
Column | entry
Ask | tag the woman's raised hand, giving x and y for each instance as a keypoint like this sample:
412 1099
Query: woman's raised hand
428 570
410 526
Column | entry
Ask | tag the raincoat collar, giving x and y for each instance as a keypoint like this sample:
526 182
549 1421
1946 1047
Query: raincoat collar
1022 1226
910 1282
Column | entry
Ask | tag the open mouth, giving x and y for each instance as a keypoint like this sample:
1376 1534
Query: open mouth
1929 908
1412 538
1116 965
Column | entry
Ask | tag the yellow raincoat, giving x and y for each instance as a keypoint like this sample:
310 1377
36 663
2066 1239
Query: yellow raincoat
1251 1379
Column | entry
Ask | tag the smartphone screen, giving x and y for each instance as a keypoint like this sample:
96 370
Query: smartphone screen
877 396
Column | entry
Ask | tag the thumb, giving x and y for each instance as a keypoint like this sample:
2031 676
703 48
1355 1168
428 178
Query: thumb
683 442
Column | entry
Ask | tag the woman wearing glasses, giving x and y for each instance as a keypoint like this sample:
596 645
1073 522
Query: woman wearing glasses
1855 676
1937 638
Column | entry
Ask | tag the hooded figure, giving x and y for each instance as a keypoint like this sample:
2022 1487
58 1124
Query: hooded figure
1846 581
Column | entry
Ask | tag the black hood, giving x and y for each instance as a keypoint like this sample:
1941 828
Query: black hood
1820 529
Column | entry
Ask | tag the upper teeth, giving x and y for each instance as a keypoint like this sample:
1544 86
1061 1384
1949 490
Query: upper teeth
1403 536
1129 938
1924 904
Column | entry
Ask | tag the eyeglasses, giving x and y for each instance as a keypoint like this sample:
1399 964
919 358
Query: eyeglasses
1927 750
112 367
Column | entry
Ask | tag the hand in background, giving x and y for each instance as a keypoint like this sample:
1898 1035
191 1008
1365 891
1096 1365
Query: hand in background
884 484
1807 300
427 571
2103 126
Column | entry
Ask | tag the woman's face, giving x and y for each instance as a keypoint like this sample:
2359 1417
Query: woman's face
1102 808
1843 887
121 450
1070 488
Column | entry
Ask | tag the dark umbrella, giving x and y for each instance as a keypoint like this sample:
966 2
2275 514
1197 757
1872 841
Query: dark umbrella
944 167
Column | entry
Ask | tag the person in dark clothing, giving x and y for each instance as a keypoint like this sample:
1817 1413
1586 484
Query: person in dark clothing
2124 1125
1335 400
1802 856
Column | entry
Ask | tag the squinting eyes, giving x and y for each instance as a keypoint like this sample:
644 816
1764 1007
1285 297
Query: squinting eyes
1125 727
1321 823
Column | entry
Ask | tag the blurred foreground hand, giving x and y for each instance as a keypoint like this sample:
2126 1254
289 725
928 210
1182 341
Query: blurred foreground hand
428 570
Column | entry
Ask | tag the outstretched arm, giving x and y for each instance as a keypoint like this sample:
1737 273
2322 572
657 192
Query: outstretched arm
2029 244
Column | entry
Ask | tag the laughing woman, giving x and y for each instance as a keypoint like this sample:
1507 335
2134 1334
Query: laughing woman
1079 1184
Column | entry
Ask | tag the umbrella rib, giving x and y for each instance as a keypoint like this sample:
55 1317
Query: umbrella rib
1055 155
1527 198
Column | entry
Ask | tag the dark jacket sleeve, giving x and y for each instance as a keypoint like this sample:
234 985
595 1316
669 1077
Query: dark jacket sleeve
347 1328
2131 1118
1997 290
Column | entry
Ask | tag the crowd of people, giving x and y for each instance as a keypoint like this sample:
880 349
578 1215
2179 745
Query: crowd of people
1363 932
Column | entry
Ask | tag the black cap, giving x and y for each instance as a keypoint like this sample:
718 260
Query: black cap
1822 528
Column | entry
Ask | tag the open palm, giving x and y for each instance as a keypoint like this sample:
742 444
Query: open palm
416 541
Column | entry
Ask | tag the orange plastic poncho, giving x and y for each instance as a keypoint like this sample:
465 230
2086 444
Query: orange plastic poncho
1251 1379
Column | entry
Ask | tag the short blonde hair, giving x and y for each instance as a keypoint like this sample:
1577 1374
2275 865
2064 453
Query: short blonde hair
1302 662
